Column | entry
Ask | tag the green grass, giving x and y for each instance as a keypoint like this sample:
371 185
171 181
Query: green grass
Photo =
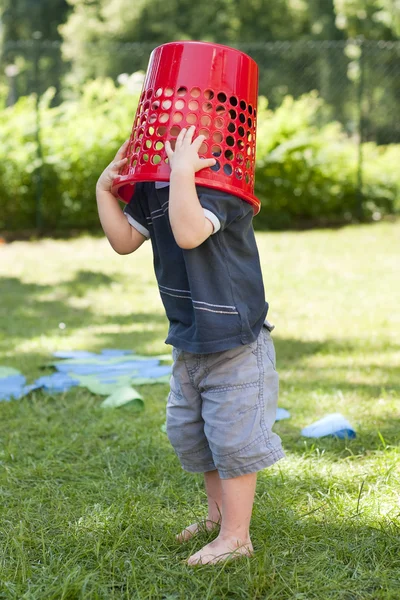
90 500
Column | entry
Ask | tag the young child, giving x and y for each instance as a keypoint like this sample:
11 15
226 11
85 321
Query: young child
224 386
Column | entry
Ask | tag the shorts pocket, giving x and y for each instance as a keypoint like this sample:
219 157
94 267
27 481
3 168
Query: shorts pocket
271 353
176 353
269 348
253 346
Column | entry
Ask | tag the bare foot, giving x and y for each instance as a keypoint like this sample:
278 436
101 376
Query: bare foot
200 527
221 550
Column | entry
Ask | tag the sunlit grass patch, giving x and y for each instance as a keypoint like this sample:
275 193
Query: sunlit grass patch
90 500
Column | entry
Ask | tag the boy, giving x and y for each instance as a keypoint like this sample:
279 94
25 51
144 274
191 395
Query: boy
224 385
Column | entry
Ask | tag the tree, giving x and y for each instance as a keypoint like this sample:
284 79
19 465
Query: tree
21 18
94 28
23 24
372 19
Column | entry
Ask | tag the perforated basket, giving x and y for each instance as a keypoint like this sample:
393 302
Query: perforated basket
210 86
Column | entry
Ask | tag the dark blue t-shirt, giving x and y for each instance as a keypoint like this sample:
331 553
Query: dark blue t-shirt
213 294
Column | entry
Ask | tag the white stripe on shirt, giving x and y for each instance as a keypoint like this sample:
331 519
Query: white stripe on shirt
174 290
175 295
216 305
220 312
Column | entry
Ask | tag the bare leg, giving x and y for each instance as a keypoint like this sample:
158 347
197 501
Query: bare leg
234 537
214 499
214 495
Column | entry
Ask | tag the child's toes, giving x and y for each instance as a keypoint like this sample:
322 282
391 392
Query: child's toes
194 529
187 533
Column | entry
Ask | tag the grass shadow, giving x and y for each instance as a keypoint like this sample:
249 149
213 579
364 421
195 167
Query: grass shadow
38 319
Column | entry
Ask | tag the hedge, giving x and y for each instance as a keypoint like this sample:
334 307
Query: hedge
306 172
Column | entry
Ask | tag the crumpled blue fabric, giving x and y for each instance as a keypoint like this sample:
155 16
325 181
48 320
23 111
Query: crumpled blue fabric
12 387
281 414
80 354
112 352
333 424
143 368
105 367
57 382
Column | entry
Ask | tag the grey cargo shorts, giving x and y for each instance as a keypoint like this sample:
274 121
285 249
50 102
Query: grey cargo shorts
221 409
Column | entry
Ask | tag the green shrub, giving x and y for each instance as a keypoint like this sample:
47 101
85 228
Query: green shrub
306 173
307 169
78 138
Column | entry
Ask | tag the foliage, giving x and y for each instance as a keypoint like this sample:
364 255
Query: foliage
28 21
108 22
92 32
373 19
306 166
78 140
22 18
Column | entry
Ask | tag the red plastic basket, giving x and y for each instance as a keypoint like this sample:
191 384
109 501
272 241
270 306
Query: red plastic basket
210 86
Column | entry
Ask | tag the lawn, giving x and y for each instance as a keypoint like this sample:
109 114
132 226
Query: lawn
90 500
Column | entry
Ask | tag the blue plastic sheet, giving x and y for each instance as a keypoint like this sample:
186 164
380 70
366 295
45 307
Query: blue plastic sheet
333 424
281 414
111 367
80 354
56 383
149 368
11 387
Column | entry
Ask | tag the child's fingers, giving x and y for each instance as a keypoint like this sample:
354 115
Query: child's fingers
168 149
189 135
198 142
180 138
207 162
116 165
122 151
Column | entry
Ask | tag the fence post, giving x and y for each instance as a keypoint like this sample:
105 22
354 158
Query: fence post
39 153
360 158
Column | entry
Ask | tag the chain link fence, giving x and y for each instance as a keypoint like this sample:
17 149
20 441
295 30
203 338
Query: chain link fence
359 80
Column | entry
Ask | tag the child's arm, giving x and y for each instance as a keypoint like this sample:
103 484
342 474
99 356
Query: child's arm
123 238
189 225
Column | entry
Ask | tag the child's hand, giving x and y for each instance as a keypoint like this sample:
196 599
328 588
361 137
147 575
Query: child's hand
186 155
106 179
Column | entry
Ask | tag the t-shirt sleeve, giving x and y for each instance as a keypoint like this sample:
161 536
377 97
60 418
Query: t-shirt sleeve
221 208
135 211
